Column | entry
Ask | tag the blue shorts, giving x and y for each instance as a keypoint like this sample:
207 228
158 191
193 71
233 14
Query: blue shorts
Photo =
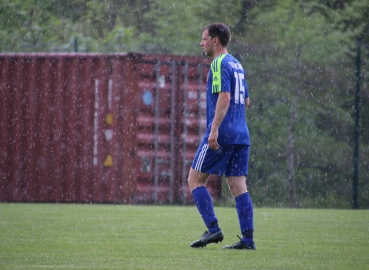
230 159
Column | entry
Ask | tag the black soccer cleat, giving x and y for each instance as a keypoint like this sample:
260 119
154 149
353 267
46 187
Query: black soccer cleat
208 238
240 245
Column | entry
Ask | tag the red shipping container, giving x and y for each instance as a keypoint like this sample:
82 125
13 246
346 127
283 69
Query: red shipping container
117 128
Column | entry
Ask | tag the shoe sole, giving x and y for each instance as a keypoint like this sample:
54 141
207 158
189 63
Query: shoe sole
239 248
225 247
215 242
202 244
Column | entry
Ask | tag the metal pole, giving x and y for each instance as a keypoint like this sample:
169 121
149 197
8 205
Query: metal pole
355 200
184 139
75 44
199 100
156 142
172 134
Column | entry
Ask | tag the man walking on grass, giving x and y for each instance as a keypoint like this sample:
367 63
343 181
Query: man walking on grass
225 146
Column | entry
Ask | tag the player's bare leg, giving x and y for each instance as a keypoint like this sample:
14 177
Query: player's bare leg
237 185
196 179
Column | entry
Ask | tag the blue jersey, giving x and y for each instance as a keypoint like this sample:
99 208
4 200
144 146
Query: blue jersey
227 75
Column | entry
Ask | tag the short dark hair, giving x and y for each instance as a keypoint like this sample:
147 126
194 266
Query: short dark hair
221 31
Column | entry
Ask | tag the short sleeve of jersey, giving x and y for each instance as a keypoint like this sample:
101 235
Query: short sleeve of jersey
220 75
224 76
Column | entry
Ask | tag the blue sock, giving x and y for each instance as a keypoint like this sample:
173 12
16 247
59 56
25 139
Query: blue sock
204 204
245 214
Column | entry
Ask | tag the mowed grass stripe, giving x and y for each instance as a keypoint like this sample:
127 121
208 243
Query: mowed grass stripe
82 236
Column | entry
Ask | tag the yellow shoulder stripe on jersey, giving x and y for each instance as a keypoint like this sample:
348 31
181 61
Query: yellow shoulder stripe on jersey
217 74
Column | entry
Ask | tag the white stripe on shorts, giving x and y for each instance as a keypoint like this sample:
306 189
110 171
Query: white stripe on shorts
201 158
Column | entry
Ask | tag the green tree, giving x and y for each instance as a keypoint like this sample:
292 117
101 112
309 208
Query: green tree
300 59
303 72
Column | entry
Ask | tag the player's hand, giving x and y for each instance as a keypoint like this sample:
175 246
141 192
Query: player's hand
213 139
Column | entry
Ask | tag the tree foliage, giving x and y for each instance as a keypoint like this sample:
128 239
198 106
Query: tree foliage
300 59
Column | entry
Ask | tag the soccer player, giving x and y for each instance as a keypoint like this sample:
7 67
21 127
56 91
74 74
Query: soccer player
225 146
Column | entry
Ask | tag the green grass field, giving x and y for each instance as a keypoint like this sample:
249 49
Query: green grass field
81 236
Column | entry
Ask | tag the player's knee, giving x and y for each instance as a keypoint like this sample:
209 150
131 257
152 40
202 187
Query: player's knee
192 183
196 179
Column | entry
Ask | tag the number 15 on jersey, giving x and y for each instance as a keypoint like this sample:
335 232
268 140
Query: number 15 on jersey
240 89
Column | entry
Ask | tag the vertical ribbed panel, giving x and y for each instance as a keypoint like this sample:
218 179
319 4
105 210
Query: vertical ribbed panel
92 128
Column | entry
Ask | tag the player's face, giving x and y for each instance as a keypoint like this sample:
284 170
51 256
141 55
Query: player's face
206 44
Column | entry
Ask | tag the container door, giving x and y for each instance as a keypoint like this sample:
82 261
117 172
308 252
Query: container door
155 131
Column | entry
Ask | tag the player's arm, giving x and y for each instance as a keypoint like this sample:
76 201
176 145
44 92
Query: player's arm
247 99
220 112
247 103
221 109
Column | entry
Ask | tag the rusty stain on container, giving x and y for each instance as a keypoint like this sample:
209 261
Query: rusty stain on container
104 128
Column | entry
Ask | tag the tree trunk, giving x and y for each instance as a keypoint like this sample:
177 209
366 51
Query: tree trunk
290 155
247 5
